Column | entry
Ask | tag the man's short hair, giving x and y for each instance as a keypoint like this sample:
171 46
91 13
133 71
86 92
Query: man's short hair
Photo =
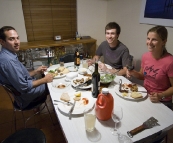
2 31
113 25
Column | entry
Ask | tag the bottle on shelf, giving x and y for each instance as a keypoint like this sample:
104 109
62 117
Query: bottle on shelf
104 105
95 81
76 58
77 36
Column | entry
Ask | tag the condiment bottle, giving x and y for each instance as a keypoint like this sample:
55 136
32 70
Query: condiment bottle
76 58
95 86
104 105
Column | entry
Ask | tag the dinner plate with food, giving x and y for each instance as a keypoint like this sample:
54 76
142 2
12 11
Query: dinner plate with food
82 82
58 72
131 91
58 86
83 100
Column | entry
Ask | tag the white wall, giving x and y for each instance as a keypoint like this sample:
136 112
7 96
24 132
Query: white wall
11 14
91 15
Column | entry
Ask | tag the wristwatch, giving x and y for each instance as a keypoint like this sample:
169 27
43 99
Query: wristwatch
163 97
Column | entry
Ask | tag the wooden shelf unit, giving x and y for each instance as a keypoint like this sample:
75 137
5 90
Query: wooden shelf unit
90 44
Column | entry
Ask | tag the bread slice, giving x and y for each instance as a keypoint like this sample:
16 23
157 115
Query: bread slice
65 97
136 95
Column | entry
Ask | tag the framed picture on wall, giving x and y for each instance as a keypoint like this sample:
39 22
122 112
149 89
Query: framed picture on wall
157 12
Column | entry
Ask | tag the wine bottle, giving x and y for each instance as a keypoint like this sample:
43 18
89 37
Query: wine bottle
76 58
95 81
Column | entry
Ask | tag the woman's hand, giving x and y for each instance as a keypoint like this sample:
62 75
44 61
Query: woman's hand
154 97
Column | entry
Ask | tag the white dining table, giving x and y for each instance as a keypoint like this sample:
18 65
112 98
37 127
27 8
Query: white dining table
134 114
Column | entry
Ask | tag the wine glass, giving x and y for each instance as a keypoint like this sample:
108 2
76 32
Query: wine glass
117 115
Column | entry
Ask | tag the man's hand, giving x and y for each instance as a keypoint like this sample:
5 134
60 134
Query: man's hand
41 69
102 67
49 77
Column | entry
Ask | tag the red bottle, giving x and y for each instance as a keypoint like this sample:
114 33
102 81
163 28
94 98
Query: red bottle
104 105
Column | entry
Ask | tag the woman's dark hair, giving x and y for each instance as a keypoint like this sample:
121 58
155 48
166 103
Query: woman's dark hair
113 25
2 31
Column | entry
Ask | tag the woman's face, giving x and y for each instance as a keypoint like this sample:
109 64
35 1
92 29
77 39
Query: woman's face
154 42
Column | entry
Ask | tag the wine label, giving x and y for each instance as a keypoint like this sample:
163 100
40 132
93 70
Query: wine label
78 60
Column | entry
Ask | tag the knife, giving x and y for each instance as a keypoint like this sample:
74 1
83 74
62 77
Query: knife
68 103
71 109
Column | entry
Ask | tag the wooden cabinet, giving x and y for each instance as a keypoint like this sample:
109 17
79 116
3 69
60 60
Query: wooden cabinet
90 44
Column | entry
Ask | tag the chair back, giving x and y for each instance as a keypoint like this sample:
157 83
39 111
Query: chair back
68 58
12 92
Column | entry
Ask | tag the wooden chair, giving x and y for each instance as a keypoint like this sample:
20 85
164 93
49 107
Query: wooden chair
27 135
40 104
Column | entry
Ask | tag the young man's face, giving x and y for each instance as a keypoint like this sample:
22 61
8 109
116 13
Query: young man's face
111 36
12 42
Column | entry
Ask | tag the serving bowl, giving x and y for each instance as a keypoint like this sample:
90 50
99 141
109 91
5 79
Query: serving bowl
106 78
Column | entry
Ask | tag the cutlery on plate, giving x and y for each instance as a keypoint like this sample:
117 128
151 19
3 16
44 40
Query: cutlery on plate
67 103
71 109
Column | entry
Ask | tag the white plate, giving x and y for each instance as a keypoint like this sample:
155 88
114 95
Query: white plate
79 106
140 88
72 68
82 87
54 68
55 86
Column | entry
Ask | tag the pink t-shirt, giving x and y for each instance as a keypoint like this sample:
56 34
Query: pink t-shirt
157 73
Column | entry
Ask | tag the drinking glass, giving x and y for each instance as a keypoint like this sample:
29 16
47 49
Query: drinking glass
90 119
85 64
117 115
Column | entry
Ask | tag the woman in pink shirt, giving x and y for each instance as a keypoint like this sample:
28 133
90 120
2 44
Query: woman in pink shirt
157 67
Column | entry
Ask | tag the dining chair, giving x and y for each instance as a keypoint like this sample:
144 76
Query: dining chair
68 58
27 135
12 92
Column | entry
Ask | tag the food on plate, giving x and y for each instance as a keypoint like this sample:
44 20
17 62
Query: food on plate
78 81
133 87
77 94
66 70
124 94
54 72
136 95
60 69
85 101
65 97
77 98
88 75
106 78
61 86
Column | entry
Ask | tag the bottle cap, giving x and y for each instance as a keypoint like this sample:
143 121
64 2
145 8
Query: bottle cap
105 90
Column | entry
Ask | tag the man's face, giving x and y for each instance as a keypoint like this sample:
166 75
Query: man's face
111 36
12 42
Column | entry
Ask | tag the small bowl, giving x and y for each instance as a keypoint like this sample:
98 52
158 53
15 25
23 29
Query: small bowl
83 71
71 75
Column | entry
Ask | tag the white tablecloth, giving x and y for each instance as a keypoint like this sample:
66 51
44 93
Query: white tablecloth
134 114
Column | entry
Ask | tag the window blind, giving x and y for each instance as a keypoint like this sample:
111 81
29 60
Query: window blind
45 19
